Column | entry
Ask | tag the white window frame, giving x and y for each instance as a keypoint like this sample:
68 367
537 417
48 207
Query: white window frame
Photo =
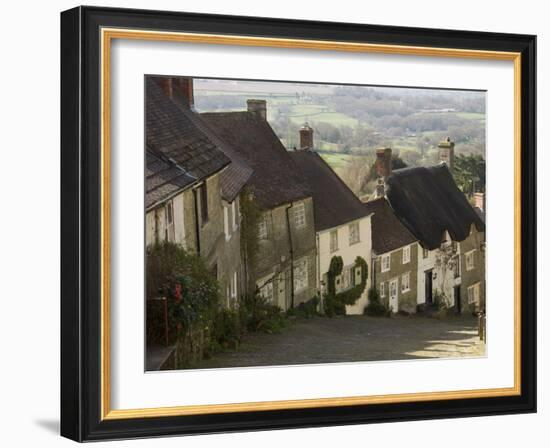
382 289
406 254
299 214
234 285
262 228
333 242
301 284
169 223
383 267
226 223
234 215
469 260
474 293
266 290
358 274
357 239
406 282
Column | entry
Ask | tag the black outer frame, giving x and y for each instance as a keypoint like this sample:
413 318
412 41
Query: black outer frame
80 223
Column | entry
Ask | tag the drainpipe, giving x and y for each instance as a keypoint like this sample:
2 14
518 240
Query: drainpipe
291 255
197 225
318 264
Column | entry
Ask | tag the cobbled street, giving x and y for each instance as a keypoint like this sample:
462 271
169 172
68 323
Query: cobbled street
356 338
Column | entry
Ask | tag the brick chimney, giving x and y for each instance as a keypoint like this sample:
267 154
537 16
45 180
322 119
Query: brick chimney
179 89
383 170
479 201
447 153
306 137
258 108
383 162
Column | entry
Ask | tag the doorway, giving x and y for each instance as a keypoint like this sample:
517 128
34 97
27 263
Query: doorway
394 303
428 285
458 303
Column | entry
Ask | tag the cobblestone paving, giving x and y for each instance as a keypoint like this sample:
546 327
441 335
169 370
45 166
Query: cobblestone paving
356 338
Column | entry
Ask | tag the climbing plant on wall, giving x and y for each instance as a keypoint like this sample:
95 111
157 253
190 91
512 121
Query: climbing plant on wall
251 214
335 303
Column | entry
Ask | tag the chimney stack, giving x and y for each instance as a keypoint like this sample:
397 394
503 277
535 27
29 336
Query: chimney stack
479 201
447 153
383 162
258 108
179 89
306 137
383 170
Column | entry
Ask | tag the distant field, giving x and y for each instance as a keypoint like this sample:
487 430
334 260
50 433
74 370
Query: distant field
336 160
470 115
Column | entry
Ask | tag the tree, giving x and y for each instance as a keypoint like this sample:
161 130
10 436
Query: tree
469 173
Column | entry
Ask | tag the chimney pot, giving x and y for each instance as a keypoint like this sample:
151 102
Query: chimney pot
258 108
306 137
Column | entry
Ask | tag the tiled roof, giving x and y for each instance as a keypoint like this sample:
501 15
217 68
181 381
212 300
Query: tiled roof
428 202
276 179
388 233
163 179
334 203
173 132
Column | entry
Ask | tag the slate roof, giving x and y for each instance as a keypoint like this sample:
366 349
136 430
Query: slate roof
428 202
388 233
275 179
172 131
237 174
163 179
334 204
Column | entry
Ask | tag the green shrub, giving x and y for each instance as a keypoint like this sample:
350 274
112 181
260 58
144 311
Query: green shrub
335 303
375 307
260 315
306 310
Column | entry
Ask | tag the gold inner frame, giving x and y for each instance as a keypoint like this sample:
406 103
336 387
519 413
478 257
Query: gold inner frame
107 35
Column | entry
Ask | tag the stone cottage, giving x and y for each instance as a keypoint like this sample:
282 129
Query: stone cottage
394 258
342 223
284 267
451 234
192 183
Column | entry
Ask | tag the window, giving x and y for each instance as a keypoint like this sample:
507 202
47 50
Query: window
169 218
203 195
385 263
382 289
226 223
454 246
470 263
234 286
357 275
354 233
406 254
300 275
425 252
473 294
334 241
234 214
262 229
456 266
299 215
266 288
406 282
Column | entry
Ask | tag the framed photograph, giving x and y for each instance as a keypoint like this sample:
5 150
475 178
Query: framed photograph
274 224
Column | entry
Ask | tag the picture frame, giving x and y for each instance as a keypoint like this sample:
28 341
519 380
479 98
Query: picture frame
86 37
